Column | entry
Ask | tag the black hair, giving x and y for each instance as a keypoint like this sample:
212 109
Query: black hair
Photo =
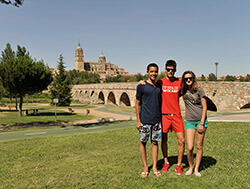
170 63
152 65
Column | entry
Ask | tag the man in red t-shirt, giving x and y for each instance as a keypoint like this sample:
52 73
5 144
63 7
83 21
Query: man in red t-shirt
171 115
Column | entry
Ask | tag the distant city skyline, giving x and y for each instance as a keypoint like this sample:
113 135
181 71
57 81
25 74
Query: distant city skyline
133 33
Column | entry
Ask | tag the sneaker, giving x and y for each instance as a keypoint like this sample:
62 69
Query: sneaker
197 174
165 167
179 169
189 172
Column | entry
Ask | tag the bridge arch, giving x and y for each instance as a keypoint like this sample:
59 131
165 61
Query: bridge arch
92 93
245 106
101 99
111 98
124 99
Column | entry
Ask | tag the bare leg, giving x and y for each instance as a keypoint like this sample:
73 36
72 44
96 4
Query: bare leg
144 155
199 146
155 157
164 147
190 147
181 146
155 154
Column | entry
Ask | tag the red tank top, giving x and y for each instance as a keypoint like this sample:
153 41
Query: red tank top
170 96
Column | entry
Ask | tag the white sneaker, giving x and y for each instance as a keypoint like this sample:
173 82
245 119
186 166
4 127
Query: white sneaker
197 174
189 172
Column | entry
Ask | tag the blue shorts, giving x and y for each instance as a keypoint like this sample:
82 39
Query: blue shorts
195 124
150 130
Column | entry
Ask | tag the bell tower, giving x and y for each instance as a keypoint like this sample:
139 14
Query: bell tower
79 58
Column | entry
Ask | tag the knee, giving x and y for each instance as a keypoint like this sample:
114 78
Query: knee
190 148
199 146
181 142
154 143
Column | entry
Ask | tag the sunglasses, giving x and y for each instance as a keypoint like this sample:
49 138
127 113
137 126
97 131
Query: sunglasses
173 70
188 78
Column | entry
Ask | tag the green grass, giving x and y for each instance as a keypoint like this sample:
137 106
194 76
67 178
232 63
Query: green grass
36 98
111 159
46 115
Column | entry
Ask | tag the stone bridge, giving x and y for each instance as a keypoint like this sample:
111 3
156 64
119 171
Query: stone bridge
225 95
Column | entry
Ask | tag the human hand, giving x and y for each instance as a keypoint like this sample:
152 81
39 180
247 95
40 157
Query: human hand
142 82
200 129
197 85
138 126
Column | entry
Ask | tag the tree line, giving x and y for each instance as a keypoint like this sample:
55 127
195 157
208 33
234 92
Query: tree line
212 77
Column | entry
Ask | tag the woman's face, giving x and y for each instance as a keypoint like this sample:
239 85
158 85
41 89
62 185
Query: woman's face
188 79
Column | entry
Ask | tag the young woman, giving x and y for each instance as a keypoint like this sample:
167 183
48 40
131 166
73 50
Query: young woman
196 118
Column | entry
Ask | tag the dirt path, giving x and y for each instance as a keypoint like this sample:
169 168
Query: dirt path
99 115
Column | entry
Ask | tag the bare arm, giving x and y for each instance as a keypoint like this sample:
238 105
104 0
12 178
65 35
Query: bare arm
200 128
138 110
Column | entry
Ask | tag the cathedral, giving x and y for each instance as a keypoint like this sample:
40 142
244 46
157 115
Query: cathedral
102 67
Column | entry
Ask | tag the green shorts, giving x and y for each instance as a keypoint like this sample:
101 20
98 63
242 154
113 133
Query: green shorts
195 124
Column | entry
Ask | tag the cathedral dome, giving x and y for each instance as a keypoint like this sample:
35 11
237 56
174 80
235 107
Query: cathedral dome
79 50
102 58
102 55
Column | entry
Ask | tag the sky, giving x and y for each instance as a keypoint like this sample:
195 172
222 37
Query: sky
134 33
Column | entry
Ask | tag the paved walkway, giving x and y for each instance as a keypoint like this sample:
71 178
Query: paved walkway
74 130
232 118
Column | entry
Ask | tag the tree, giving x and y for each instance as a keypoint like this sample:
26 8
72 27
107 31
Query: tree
75 77
203 77
139 77
211 77
230 78
247 79
8 57
241 79
117 78
161 75
1 89
60 87
24 75
16 3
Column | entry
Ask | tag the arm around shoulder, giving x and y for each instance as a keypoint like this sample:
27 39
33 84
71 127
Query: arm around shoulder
142 82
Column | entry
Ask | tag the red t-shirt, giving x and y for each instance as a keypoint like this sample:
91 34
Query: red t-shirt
170 96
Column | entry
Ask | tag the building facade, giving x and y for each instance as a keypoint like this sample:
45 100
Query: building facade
102 67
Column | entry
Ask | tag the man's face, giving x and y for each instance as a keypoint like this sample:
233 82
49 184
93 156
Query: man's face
170 71
152 73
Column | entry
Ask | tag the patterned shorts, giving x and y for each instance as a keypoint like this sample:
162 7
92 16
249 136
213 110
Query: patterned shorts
150 130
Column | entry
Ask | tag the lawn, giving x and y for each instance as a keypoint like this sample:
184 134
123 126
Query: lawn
111 159
46 115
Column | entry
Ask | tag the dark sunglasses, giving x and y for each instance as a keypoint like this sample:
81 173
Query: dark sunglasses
173 70
187 78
